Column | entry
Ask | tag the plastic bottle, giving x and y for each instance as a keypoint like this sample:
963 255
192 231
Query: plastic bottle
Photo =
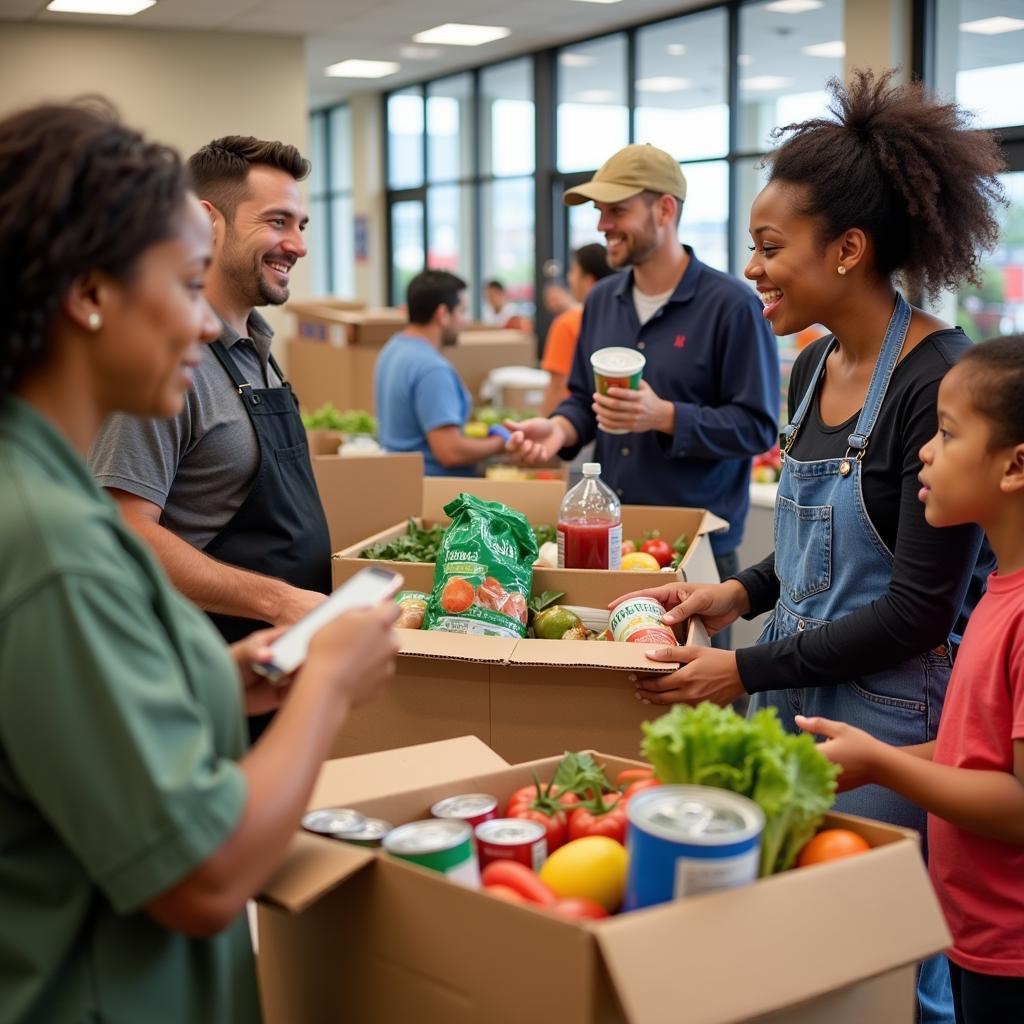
590 524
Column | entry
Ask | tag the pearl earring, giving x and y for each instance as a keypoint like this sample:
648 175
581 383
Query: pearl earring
95 321
840 269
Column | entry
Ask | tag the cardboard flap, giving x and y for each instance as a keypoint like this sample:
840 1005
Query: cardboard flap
601 654
713 523
422 643
312 866
777 943
538 500
349 780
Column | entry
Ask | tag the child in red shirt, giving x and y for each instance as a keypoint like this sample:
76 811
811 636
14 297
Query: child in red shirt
971 778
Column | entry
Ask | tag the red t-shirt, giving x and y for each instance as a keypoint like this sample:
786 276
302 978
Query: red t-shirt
979 881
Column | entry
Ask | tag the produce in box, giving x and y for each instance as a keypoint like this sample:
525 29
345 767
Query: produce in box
484 570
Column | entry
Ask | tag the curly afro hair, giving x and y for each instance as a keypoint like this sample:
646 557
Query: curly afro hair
907 170
79 192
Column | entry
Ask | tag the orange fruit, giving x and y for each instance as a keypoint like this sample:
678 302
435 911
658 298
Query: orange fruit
832 844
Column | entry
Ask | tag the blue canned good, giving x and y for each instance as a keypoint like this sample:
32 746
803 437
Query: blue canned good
684 840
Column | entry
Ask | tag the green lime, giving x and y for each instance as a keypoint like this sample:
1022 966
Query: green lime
554 622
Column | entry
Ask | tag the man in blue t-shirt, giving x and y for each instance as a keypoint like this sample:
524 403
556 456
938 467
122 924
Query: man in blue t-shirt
422 404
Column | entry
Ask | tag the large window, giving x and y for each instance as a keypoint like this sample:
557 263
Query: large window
458 202
330 234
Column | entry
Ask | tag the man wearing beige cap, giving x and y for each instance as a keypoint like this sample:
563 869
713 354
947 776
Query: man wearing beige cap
709 397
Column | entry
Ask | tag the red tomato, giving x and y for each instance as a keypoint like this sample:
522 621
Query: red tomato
628 775
660 550
520 879
612 823
638 787
581 907
831 844
557 824
526 795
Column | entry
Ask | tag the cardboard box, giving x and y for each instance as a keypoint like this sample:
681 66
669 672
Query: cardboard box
351 934
358 492
324 442
523 697
346 323
478 352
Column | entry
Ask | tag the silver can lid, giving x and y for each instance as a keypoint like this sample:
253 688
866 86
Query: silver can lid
373 830
465 805
701 815
430 836
334 821
510 831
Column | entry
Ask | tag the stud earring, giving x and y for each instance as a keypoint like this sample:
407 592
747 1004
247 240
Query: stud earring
95 321
841 270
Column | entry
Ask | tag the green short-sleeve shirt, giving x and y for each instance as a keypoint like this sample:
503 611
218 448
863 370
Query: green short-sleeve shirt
120 728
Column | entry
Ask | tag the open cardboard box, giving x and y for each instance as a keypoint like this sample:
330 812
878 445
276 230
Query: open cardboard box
351 934
523 697
359 492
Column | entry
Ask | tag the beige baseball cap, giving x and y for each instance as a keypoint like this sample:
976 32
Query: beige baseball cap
635 169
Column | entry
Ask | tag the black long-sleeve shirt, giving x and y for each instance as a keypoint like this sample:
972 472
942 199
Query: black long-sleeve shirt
938 574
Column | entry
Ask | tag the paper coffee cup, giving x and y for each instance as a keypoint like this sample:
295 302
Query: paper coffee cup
617 368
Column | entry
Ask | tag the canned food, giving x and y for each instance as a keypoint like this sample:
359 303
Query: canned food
373 832
471 808
638 621
512 839
441 844
334 821
684 840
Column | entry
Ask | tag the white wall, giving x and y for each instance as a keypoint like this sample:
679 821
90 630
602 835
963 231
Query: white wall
183 88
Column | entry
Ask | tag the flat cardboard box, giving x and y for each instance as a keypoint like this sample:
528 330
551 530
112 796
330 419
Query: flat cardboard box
358 492
523 697
351 934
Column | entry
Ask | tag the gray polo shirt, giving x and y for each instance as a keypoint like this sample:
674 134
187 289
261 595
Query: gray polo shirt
199 465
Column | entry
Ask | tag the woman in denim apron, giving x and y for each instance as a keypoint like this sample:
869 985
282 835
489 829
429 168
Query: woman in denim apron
866 598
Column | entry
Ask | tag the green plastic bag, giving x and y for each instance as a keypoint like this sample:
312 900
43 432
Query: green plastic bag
484 571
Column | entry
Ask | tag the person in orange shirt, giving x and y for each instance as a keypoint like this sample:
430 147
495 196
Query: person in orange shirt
589 265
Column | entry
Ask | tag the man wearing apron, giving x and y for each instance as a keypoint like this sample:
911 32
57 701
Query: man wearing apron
224 493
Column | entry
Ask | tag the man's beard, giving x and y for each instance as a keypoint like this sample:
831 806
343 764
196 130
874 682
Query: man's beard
248 278
640 248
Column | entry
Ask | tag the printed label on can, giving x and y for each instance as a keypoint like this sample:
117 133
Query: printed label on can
466 874
638 621
696 875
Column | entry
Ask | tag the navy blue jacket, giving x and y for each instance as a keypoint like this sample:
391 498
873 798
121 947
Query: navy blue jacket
709 351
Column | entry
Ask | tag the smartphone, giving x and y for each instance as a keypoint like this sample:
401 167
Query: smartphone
367 588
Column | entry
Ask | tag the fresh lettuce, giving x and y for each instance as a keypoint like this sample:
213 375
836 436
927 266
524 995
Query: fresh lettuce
785 774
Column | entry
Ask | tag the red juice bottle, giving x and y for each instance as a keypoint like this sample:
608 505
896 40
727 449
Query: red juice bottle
590 524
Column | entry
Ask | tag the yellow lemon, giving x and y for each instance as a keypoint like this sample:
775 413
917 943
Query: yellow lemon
640 560
593 867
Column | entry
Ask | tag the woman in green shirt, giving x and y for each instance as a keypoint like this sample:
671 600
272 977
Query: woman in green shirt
134 824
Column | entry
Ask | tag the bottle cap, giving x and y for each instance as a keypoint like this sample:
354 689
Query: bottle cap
591 468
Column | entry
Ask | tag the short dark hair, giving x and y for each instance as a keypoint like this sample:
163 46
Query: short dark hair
495 283
219 170
79 192
430 289
593 260
904 168
996 380
650 198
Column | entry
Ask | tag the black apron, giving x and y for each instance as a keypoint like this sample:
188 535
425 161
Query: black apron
279 529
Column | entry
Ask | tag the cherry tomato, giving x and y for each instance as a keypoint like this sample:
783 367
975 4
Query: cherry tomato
585 821
659 549
638 787
581 907
628 775
519 878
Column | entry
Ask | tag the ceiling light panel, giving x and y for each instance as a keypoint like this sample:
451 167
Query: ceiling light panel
118 8
455 34
835 48
992 26
362 69
793 6
663 83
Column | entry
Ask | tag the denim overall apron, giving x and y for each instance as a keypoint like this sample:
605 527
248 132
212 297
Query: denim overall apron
830 561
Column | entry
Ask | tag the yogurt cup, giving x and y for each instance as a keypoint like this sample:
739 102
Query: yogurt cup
617 368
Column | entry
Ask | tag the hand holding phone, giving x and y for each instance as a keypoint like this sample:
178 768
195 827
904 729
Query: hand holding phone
367 588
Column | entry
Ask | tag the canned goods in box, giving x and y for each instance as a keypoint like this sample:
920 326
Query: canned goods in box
469 807
441 844
685 840
337 822
638 621
371 834
512 839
